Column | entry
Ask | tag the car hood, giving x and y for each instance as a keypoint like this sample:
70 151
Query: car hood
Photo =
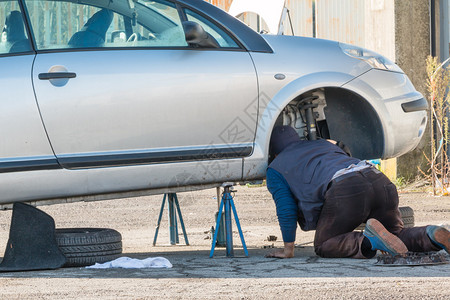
314 61
303 55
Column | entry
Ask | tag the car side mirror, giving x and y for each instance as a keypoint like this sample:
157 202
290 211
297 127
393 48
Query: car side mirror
196 36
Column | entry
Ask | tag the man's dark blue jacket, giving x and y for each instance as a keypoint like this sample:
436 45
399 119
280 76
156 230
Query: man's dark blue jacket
299 176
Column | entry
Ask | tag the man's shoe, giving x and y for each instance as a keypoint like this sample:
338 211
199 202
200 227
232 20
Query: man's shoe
383 240
439 236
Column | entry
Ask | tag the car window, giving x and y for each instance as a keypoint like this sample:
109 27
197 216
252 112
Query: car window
14 38
221 37
123 23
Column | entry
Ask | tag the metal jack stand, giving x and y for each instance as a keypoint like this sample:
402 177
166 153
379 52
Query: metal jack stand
221 242
228 203
172 202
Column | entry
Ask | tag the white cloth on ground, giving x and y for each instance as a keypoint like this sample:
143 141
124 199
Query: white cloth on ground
133 263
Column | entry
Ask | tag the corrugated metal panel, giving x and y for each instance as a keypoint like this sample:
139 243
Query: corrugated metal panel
301 16
341 20
380 27
364 23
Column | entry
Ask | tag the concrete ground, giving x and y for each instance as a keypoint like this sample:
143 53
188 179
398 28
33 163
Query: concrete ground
196 276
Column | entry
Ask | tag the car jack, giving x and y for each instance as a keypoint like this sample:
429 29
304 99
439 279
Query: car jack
32 243
228 203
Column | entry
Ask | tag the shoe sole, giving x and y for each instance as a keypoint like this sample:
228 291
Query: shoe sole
442 237
392 242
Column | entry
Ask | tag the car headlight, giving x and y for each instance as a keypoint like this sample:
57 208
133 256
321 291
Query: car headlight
374 59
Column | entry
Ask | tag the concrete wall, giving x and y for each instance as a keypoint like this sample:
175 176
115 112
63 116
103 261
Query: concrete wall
412 40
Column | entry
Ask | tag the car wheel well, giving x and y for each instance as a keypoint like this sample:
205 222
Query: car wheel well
340 115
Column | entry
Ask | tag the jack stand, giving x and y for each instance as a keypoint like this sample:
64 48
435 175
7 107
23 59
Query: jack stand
221 242
172 203
228 203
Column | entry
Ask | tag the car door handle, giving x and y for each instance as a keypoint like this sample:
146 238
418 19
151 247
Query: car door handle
56 75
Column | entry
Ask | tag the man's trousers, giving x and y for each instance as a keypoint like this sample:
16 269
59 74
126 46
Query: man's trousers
353 199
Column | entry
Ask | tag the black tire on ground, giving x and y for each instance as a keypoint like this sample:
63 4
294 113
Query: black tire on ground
408 222
407 214
87 246
77 250
89 260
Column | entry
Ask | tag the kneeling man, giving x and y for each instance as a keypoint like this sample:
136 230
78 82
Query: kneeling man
319 186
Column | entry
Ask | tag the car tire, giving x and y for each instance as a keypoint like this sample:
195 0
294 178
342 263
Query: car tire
87 246
407 214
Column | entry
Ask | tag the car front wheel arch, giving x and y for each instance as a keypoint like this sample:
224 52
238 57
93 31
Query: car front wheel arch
342 116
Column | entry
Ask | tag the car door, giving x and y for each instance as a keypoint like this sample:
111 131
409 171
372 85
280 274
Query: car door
117 84
24 145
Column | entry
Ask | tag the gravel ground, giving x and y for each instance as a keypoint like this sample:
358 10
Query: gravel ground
195 276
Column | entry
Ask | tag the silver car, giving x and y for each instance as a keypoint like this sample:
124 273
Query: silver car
103 99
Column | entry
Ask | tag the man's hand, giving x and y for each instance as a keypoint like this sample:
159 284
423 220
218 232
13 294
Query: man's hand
287 252
344 148
341 145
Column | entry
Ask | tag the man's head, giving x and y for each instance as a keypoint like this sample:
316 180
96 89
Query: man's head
282 136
